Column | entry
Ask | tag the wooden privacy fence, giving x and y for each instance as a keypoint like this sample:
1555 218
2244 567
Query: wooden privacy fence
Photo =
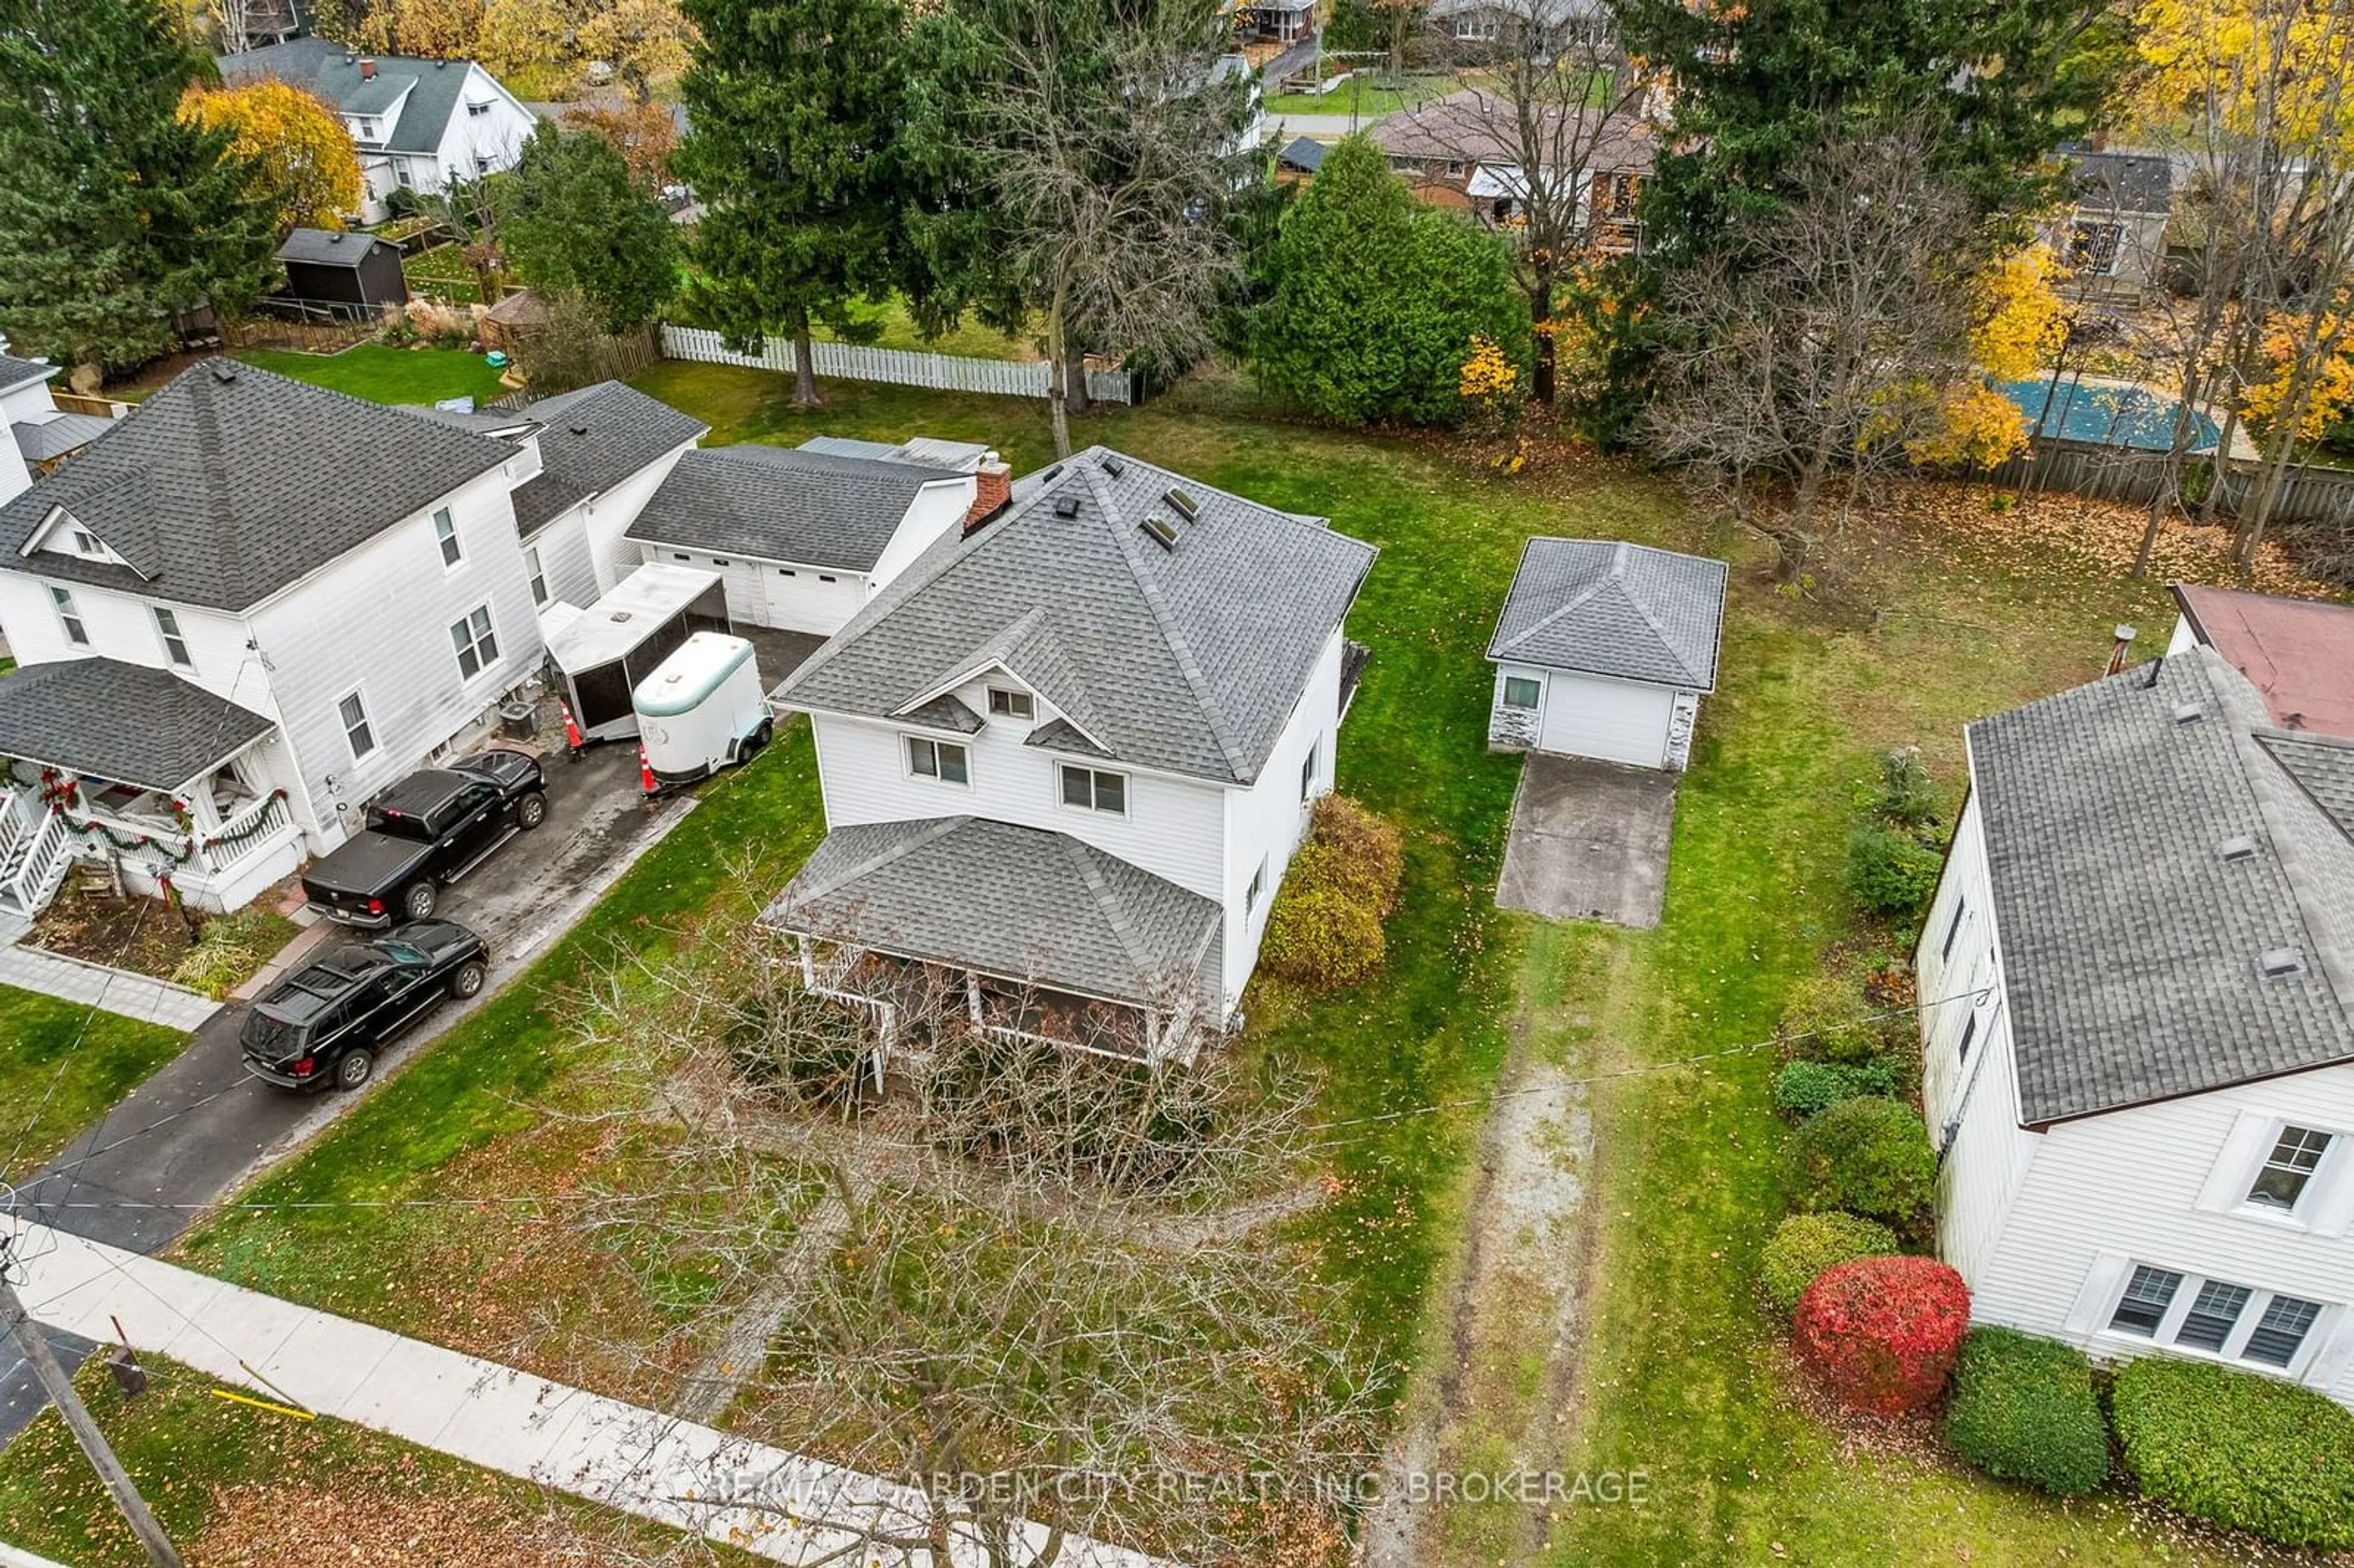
2134 475
898 367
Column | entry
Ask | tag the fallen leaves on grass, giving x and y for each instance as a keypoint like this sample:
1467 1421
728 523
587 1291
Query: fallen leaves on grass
393 1517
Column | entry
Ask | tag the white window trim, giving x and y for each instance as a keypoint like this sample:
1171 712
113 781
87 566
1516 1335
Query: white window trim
1255 896
441 547
2325 1324
72 623
1504 694
489 629
367 717
1015 694
156 614
1127 790
907 761
535 571
2325 1207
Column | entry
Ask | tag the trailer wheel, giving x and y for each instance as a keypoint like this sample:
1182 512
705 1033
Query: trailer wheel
752 745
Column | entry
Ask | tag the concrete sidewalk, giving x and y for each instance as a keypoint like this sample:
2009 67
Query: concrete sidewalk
115 990
678 1473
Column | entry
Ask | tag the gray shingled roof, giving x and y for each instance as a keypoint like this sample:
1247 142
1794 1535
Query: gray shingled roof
101 718
1614 608
47 436
2120 182
1014 903
2323 767
330 247
1188 659
332 72
1303 153
220 493
14 372
2130 946
781 504
592 439
924 452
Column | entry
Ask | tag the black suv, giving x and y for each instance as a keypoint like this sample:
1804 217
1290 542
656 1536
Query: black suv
325 1022
429 829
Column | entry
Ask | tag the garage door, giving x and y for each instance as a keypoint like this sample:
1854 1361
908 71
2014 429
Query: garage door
800 599
1618 721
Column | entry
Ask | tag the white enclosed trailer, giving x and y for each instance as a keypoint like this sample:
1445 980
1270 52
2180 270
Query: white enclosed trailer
703 709
602 652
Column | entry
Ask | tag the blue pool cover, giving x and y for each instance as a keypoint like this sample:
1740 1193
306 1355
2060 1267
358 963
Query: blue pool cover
2110 415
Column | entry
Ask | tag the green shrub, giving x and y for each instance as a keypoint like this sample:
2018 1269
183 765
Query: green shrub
1804 1244
1803 1088
1908 796
1827 1019
1870 1156
1323 937
2022 1409
1890 874
2239 1449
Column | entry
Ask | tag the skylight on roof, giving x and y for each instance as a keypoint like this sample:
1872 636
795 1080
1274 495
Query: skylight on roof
1162 532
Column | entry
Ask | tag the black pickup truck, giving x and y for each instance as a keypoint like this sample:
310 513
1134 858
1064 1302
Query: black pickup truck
429 829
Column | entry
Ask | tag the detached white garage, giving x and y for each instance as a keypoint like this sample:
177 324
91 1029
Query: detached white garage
1604 650
802 539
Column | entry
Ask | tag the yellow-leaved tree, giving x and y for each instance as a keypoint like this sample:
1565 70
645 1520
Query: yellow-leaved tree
2326 379
433 29
304 162
2020 325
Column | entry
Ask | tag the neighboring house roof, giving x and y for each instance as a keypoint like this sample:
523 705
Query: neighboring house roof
434 88
780 504
1188 658
331 248
592 439
14 372
2297 652
2132 947
44 438
1606 607
1303 153
1477 126
959 456
1014 903
129 724
1549 13
232 483
2120 182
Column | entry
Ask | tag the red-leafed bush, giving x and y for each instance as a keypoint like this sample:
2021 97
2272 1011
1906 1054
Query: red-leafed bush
1884 1331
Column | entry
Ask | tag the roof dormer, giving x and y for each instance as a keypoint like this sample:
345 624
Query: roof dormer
63 534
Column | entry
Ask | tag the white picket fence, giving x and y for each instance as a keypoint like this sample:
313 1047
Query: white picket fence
899 366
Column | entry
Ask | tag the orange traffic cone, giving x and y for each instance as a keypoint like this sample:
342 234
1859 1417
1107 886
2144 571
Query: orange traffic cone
645 770
573 743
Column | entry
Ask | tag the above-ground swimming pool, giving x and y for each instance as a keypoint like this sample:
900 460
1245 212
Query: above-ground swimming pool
2106 413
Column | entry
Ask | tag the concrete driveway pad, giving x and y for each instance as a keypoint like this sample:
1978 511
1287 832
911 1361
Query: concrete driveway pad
1589 840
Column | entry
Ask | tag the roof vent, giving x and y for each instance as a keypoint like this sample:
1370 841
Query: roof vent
1051 475
578 430
2238 847
225 371
335 236
620 615
2188 712
1113 466
1066 506
1186 506
1162 531
2279 963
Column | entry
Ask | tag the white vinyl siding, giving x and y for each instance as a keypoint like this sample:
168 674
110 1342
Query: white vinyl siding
786 595
1267 821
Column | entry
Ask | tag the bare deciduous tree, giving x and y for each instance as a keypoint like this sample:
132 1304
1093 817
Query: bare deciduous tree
1818 352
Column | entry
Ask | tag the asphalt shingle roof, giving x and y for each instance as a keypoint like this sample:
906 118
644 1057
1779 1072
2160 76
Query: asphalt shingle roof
2120 182
329 247
14 372
781 504
332 72
1189 659
2129 943
221 491
101 718
1014 903
1614 608
592 439
2323 767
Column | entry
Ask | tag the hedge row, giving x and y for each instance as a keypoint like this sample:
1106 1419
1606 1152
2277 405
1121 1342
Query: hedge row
2239 1449
1325 930
2022 1409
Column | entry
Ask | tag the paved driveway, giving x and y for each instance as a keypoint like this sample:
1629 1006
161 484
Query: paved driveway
189 1133
1589 840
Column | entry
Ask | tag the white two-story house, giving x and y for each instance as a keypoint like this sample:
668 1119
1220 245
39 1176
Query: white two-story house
418 123
241 612
2138 1024
1067 755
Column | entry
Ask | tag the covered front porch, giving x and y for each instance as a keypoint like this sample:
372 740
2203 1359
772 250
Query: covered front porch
1016 932
136 768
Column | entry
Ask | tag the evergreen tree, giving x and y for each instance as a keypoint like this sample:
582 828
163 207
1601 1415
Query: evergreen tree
1756 87
793 111
579 221
115 213
1376 299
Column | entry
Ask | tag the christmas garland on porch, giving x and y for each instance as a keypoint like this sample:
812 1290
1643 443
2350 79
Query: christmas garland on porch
137 842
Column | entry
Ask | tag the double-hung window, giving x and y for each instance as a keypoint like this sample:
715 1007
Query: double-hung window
176 647
70 616
445 530
477 644
356 732
2143 1306
942 760
2288 1168
1258 886
1092 789
1308 774
538 575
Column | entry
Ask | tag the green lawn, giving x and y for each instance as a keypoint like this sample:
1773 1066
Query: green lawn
897 330
1679 1376
1367 94
43 1042
442 272
386 374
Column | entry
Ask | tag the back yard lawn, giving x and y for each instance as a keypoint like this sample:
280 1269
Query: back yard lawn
60 1065
1674 1371
386 374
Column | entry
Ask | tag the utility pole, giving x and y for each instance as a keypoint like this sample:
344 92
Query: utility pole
60 1389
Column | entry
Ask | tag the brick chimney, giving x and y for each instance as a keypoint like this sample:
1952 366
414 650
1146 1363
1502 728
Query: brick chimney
367 70
992 487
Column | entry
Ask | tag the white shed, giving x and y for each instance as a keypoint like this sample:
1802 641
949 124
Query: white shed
1604 650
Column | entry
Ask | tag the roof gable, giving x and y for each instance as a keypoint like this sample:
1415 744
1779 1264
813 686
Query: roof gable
1608 607
781 504
1188 658
418 96
233 482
